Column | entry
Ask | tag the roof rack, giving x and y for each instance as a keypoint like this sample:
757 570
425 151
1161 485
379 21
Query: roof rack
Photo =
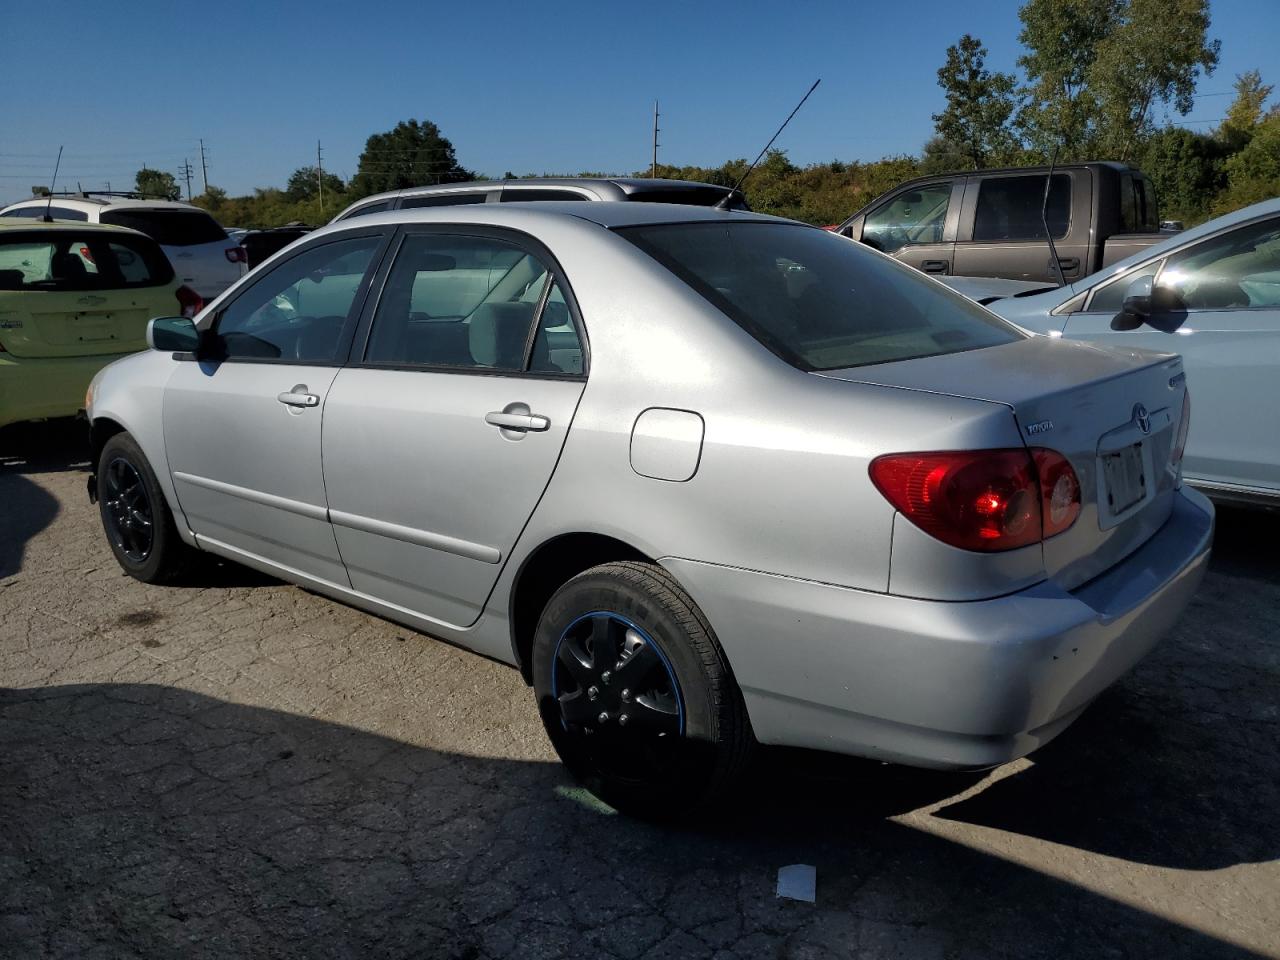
88 194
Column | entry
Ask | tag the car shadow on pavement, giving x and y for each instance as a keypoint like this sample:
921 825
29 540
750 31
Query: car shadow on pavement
1176 766
145 820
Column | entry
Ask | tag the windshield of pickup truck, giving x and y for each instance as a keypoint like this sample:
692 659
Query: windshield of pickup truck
817 300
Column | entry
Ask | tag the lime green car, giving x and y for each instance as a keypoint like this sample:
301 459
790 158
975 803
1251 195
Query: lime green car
73 297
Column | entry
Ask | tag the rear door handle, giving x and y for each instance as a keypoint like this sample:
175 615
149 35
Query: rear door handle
517 421
934 266
1069 263
298 397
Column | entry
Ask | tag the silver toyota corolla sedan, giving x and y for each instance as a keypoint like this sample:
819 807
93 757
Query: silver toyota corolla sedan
709 479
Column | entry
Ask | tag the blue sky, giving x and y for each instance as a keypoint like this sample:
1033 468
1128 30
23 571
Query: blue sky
559 87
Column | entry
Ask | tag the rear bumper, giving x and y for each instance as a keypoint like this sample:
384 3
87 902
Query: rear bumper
35 388
947 685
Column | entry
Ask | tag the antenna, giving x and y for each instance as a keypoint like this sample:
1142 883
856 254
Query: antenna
52 183
723 204
1044 219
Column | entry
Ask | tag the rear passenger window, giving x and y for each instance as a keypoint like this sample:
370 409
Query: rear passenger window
524 196
443 200
371 208
1009 208
298 309
472 302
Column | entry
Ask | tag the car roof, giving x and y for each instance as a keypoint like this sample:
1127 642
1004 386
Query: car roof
78 226
610 214
627 186
94 201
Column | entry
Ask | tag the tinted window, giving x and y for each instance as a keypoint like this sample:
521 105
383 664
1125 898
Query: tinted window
298 309
443 200
379 207
816 300
694 196
912 217
171 228
56 212
471 302
1137 204
531 194
59 262
1009 208
1236 270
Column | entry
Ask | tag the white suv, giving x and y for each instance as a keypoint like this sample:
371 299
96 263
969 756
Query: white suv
202 256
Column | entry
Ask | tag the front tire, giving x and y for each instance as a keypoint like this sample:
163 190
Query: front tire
635 692
136 518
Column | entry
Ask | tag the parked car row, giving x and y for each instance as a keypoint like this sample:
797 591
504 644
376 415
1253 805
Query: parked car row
708 478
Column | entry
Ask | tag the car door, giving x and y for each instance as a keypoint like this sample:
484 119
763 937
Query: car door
1219 299
1001 231
440 439
242 424
917 225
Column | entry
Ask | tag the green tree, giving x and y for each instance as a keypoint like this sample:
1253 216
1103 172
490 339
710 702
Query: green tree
1096 69
410 155
303 185
1253 174
157 183
1153 55
1245 111
1061 38
1187 170
979 104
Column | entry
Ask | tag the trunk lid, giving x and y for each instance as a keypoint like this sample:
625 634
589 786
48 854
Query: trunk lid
76 324
1088 403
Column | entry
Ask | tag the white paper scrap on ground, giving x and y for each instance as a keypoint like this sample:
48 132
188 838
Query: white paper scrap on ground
798 882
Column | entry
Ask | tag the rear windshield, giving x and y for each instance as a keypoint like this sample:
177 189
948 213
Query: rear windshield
172 228
817 300
693 196
61 262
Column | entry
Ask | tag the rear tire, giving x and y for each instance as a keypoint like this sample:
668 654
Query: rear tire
635 692
136 518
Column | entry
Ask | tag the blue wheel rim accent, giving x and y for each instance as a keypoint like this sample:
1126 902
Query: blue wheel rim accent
643 634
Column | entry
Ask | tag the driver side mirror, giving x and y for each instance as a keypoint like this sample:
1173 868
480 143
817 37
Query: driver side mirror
1159 307
1136 309
173 335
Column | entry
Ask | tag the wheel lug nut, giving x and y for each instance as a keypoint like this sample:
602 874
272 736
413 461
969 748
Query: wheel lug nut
626 696
622 720
604 716
604 677
593 692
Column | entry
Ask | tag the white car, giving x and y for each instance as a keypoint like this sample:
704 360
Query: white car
203 257
1210 293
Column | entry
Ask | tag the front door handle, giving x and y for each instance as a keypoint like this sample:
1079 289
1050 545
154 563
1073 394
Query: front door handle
517 421
298 397
1068 264
934 266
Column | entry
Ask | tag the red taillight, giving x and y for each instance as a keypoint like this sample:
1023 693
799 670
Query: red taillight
190 301
1180 445
237 254
986 500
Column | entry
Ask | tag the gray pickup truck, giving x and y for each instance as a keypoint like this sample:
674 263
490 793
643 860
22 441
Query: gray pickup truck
987 223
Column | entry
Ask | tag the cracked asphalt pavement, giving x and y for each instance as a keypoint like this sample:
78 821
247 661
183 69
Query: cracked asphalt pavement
238 768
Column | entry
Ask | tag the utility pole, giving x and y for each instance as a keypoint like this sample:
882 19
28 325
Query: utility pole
653 171
185 171
204 168
320 178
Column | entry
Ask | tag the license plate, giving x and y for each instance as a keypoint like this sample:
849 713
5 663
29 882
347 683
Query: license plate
1126 478
93 327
